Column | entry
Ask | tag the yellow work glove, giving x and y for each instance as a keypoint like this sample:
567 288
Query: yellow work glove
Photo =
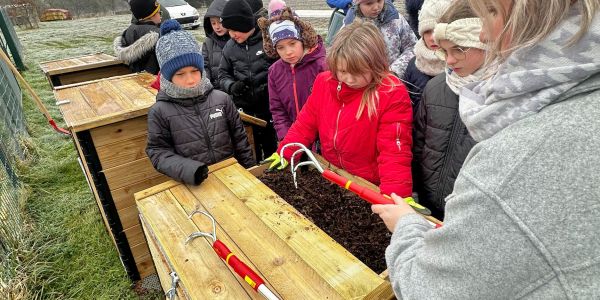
278 163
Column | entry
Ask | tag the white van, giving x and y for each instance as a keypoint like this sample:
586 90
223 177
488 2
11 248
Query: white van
181 11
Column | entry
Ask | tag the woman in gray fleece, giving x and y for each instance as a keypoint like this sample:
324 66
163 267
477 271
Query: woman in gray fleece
523 220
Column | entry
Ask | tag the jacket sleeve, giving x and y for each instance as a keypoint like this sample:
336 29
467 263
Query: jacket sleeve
420 125
394 144
226 78
281 119
407 45
304 130
162 154
479 252
242 150
207 63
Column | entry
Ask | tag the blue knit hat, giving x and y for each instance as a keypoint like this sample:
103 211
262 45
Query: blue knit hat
177 49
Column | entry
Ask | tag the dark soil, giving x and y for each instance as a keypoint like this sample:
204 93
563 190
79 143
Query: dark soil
341 214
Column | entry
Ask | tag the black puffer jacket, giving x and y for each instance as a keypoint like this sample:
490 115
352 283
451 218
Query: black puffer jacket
212 48
136 46
441 144
247 62
186 134
415 81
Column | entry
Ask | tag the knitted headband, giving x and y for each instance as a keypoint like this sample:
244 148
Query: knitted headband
430 13
282 29
285 29
463 32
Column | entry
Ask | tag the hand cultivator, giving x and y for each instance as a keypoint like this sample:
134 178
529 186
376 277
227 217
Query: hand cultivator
245 272
363 192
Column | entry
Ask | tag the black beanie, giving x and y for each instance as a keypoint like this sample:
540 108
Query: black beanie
237 15
143 9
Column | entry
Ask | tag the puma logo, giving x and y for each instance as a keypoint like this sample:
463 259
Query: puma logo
218 113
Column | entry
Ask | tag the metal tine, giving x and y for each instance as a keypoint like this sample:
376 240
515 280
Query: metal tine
196 234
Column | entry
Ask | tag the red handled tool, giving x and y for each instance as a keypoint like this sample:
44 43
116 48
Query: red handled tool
363 192
245 272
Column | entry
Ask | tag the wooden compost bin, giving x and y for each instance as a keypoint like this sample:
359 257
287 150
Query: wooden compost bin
295 257
108 122
83 68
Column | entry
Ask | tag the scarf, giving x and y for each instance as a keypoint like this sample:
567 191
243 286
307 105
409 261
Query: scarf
426 61
532 78
456 83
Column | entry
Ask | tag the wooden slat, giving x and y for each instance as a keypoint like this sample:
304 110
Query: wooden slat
135 90
101 100
145 266
252 120
162 268
128 217
97 72
345 273
139 250
278 263
76 109
124 197
383 292
134 234
120 131
167 223
130 173
122 152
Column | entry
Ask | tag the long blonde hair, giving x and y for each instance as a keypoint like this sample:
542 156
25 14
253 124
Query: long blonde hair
528 22
360 46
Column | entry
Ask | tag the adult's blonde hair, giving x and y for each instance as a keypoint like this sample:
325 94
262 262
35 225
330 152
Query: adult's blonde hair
360 48
528 22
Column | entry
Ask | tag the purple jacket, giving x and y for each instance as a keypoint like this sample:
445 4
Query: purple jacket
281 87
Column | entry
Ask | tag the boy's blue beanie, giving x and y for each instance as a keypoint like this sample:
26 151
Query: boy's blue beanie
177 49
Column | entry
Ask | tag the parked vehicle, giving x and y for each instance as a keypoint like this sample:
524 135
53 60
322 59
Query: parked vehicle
183 12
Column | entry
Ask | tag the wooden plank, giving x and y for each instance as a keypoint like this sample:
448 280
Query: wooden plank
273 258
124 197
75 109
258 170
359 180
134 234
130 173
59 66
383 292
101 100
120 131
136 90
68 86
252 120
250 136
129 217
122 152
139 250
167 223
162 268
93 73
145 266
344 272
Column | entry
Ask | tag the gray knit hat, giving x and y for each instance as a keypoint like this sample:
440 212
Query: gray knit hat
177 49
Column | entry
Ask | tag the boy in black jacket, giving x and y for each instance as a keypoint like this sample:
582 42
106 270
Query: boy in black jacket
135 46
191 125
244 68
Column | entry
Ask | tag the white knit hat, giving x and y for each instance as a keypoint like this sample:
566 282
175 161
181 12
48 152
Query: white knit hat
430 12
463 32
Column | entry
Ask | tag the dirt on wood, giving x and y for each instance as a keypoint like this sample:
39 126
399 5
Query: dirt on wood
341 214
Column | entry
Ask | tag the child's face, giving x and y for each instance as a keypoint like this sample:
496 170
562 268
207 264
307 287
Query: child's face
156 18
187 77
217 26
429 41
240 37
355 81
290 50
463 60
371 8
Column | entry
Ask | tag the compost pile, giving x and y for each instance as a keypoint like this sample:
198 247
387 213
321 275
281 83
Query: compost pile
341 214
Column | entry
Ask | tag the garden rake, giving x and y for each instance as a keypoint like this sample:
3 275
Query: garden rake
245 272
363 192
35 97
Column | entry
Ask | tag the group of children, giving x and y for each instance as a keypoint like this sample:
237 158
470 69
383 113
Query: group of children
348 98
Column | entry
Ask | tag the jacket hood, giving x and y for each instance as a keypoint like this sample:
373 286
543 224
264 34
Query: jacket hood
388 14
214 10
317 54
137 50
533 78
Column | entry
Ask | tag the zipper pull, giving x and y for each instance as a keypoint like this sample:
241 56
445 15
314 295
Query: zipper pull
398 130
339 87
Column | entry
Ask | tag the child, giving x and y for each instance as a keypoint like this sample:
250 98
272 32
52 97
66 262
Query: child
425 65
397 34
441 140
302 58
216 38
191 125
243 71
136 45
360 111
412 8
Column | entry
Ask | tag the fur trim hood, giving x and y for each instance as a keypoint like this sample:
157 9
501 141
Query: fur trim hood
310 38
137 50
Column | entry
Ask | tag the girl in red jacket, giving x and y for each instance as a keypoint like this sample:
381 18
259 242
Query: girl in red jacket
360 111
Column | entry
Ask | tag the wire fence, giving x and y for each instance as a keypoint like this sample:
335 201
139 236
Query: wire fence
12 132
